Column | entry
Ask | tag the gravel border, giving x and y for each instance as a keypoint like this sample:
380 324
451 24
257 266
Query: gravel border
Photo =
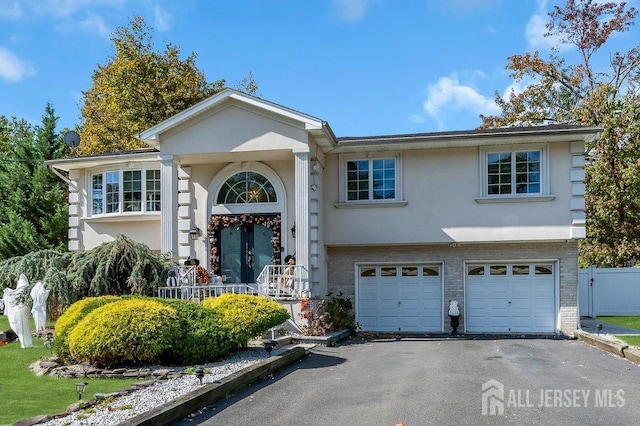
120 409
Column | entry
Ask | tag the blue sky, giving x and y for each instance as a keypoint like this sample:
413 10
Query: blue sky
368 67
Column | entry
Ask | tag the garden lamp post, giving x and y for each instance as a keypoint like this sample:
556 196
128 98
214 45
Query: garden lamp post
85 368
80 386
199 373
48 342
269 345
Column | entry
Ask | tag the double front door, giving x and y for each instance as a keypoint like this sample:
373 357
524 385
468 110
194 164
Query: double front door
246 248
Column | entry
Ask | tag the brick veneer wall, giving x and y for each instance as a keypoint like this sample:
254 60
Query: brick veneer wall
341 272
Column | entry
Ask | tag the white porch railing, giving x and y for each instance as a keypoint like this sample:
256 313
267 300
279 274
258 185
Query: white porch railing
283 281
197 293
277 281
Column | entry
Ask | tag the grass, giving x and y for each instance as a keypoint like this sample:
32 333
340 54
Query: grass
23 395
629 340
627 321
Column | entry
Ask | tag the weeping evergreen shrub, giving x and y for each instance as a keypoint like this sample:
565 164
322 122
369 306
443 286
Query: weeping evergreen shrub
125 332
245 316
118 267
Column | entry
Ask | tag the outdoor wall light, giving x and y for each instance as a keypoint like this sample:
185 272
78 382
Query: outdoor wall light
195 232
199 373
293 230
80 386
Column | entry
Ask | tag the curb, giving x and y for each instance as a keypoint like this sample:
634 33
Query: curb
329 340
620 349
212 392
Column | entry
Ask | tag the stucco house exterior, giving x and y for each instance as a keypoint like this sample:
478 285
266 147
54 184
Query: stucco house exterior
401 224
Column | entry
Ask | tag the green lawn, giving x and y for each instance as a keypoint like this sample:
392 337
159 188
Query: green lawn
23 395
629 322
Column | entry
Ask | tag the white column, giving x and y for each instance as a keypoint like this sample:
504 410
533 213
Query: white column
74 211
302 211
185 199
168 205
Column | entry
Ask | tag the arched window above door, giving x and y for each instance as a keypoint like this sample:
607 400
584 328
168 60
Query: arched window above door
247 187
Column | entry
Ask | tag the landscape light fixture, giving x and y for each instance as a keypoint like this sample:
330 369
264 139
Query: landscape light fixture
599 328
269 345
85 368
48 342
199 373
80 386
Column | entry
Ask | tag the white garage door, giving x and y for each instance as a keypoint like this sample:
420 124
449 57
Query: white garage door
518 297
399 298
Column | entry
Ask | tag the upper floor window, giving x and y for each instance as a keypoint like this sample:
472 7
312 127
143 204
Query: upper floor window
515 173
125 191
371 179
247 187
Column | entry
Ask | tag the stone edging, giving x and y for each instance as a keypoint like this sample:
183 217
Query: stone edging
620 349
53 367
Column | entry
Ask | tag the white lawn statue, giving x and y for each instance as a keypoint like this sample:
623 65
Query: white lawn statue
39 294
17 312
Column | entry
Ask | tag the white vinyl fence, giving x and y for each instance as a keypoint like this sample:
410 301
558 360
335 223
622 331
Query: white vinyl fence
609 291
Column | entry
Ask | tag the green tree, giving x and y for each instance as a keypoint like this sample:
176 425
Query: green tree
34 201
139 87
584 94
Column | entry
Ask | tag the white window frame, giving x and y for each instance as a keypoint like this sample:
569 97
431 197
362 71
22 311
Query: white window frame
120 171
396 201
543 195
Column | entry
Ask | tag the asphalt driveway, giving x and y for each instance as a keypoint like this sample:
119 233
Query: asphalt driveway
441 382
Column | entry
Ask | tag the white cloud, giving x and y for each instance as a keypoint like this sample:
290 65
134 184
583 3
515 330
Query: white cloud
352 10
162 19
536 28
449 96
10 9
12 68
66 8
94 24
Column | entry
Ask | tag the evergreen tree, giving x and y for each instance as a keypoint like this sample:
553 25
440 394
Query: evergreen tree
34 201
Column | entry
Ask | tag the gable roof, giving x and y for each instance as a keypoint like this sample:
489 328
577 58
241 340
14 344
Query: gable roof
318 128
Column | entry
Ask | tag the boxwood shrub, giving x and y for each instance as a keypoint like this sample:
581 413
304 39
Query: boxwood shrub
71 317
245 316
125 332
202 338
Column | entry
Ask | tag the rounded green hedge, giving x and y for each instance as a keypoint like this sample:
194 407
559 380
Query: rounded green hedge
71 317
245 316
202 338
125 332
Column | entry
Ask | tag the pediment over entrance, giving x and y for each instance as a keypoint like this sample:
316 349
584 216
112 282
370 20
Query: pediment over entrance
233 122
